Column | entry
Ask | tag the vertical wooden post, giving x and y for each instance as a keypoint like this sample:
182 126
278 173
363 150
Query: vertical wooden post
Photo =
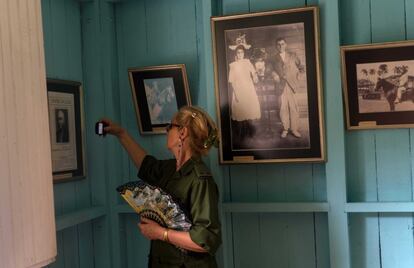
335 167
100 78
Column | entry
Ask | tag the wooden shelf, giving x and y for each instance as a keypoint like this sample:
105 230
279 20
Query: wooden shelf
276 207
74 218
244 207
258 207
364 207
124 209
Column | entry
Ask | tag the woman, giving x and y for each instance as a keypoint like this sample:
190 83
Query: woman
245 105
190 135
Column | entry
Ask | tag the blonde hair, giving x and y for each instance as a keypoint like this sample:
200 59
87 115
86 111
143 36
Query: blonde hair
202 130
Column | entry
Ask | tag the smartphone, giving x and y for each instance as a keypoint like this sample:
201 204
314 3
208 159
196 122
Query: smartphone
100 128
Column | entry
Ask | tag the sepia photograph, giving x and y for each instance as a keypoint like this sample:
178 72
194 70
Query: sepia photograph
385 86
157 93
378 85
66 129
268 86
62 127
267 73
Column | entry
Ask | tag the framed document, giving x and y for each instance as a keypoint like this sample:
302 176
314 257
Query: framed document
66 129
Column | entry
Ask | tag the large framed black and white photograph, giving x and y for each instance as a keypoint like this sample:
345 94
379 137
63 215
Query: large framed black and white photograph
65 101
378 85
158 92
268 86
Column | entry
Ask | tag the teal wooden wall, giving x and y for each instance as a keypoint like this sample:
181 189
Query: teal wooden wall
168 32
353 211
63 52
379 162
81 205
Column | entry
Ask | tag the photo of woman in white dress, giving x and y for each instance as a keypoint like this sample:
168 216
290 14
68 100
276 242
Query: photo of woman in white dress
245 107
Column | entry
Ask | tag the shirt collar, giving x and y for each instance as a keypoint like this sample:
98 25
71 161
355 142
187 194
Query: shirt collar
188 166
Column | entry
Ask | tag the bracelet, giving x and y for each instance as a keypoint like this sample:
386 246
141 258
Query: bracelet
165 235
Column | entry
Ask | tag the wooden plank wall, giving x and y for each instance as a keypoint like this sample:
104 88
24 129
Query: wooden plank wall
101 99
165 32
62 27
152 33
96 41
287 239
379 162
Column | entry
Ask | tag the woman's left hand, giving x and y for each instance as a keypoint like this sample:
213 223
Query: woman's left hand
150 229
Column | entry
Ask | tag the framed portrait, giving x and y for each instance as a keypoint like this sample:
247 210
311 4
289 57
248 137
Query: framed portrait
65 100
158 92
268 86
378 85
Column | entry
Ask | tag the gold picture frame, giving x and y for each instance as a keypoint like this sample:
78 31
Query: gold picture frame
158 92
255 91
378 85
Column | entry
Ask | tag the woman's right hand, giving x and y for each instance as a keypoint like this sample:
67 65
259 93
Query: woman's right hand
112 127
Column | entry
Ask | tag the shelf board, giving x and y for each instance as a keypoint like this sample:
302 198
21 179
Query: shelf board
124 209
258 207
276 207
379 207
74 218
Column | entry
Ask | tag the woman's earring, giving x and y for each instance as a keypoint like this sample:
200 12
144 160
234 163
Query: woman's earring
180 152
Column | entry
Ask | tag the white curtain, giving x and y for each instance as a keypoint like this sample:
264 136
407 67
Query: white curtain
27 224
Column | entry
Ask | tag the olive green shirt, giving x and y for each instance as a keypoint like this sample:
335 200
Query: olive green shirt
194 188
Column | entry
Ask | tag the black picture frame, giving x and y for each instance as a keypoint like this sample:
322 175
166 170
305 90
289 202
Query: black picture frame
158 92
251 127
66 125
378 85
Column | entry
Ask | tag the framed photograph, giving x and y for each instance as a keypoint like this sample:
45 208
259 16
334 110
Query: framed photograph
268 86
378 85
65 99
158 92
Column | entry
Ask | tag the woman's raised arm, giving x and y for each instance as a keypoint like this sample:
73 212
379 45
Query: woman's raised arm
135 151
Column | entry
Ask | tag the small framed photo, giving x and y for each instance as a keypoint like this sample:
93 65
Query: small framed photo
378 85
268 86
158 92
65 100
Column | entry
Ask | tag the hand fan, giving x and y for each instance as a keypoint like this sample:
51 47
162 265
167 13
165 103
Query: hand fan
153 203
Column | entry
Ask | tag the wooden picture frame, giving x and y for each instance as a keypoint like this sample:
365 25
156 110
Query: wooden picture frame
66 124
378 85
158 92
278 71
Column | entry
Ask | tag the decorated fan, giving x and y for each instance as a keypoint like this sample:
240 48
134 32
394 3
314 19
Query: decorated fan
153 203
